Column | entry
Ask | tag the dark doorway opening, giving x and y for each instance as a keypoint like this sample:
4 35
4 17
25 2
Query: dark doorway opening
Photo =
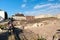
58 39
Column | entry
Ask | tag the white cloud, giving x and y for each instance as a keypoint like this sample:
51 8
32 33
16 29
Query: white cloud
41 6
29 13
23 5
47 5
51 9
38 12
33 13
55 6
45 11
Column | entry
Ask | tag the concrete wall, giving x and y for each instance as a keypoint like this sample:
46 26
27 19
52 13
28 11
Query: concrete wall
19 17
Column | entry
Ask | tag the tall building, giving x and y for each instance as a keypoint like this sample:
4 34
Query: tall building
3 15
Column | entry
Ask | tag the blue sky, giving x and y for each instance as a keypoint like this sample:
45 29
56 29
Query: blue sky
30 7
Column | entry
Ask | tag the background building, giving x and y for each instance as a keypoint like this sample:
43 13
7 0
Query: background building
19 16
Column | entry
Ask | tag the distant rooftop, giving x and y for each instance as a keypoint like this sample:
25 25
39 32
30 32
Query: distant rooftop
18 14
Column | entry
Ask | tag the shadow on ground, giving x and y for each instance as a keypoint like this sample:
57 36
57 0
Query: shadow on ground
6 35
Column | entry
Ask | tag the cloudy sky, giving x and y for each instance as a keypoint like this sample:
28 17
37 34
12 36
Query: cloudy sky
30 7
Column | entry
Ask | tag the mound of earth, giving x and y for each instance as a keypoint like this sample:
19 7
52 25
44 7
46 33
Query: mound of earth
28 35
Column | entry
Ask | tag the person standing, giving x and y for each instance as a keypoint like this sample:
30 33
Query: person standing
11 28
10 24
